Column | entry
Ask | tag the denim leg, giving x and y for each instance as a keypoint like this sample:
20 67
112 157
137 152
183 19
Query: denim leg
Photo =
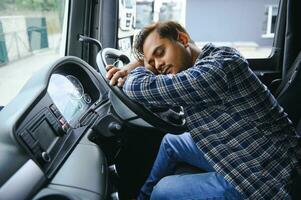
173 149
202 186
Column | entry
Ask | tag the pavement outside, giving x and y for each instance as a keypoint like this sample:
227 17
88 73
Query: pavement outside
15 74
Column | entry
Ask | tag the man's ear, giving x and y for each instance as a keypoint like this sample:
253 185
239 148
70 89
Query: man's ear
183 38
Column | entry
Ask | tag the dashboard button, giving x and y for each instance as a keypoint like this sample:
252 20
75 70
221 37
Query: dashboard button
55 111
28 139
65 127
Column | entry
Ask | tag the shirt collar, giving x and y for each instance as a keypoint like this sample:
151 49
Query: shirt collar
206 50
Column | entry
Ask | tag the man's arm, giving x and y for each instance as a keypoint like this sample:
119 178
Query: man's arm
118 75
204 83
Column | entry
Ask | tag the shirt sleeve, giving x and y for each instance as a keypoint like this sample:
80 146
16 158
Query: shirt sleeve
204 83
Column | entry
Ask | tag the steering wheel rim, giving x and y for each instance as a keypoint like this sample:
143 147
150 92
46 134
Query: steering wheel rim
141 111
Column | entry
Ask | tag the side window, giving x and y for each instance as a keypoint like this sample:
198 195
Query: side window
248 26
30 38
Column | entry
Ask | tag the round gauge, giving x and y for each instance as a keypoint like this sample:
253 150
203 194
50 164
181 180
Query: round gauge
87 98
77 90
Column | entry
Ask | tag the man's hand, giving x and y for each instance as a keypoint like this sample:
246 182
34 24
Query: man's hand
118 75
150 67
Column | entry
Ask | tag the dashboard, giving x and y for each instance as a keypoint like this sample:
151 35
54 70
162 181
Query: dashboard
60 133
45 130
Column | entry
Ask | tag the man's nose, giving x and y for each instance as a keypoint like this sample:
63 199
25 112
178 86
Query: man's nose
159 65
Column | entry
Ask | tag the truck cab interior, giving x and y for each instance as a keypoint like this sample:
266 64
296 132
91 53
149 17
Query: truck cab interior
69 135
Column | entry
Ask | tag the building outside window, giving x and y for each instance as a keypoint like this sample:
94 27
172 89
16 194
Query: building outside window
248 26
270 25
144 13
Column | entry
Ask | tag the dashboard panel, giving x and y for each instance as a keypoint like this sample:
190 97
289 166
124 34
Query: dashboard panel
55 120
48 122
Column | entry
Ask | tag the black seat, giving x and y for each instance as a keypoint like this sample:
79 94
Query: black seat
289 96
289 92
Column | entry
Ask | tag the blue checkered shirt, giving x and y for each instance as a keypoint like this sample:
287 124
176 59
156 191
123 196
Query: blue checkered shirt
233 118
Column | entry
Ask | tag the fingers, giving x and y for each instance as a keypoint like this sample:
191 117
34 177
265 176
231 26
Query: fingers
149 67
108 67
111 71
116 75
121 81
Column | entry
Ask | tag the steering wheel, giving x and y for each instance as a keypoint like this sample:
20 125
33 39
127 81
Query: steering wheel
168 120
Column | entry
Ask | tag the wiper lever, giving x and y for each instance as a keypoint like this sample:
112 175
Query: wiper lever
87 39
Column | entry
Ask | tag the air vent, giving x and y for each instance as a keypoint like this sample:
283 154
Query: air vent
89 118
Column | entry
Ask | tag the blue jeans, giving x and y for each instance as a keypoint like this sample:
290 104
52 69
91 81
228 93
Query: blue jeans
163 184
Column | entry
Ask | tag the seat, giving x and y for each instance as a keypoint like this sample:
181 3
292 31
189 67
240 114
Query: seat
288 93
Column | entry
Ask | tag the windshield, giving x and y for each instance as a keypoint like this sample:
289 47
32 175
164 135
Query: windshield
30 38
248 26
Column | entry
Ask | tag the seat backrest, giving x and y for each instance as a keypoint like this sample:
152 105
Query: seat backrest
289 92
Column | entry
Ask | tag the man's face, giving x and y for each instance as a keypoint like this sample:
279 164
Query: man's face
165 55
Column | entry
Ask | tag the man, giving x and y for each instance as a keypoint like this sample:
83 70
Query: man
238 133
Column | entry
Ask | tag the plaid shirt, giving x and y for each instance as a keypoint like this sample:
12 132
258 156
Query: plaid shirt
233 118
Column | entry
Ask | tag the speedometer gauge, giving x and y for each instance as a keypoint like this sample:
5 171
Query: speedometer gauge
77 91
67 93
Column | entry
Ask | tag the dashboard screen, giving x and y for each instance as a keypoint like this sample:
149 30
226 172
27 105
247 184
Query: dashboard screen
45 134
69 96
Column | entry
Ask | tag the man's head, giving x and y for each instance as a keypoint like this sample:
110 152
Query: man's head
165 47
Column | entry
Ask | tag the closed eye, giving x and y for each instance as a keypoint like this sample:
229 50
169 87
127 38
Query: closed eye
159 51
